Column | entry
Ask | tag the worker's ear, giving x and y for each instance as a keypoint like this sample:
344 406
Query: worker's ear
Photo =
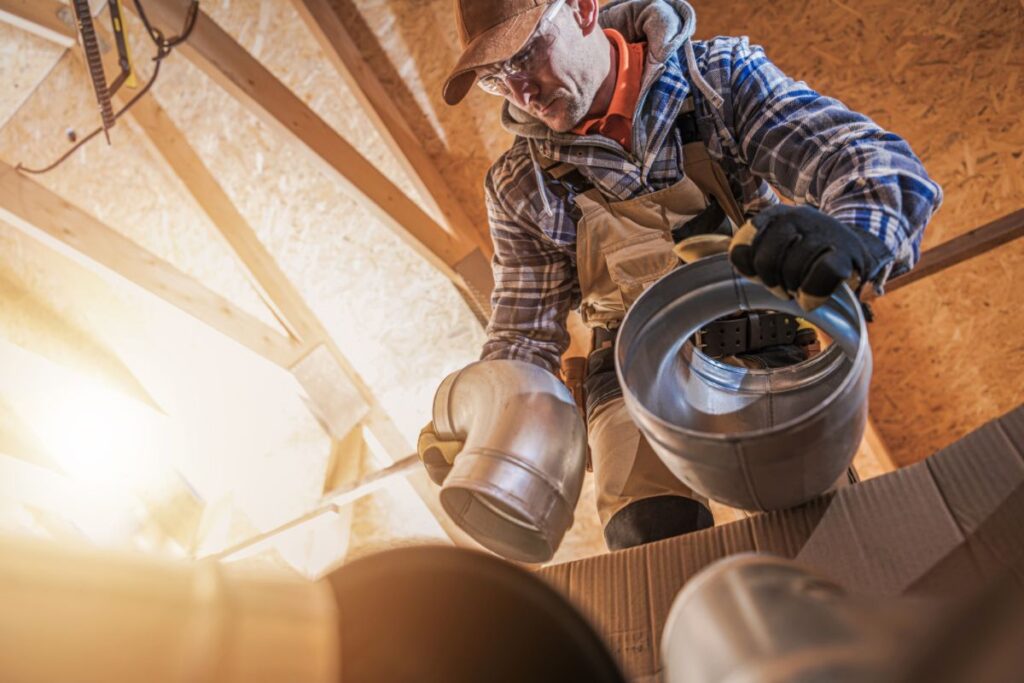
585 14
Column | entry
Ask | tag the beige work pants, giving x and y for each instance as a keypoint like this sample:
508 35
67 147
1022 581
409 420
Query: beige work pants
626 468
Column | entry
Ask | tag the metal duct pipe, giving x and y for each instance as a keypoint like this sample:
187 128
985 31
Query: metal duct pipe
516 482
92 617
753 439
756 618
401 616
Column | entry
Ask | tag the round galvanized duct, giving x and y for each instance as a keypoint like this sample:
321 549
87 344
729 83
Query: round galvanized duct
753 439
81 614
516 482
756 618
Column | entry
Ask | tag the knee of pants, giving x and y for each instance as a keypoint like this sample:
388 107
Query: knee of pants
653 519
626 468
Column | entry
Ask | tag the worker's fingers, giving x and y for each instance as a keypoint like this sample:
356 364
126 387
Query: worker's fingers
770 248
826 274
436 454
798 261
742 258
436 464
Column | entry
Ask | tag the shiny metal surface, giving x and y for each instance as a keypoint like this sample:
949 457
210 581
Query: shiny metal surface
762 619
516 482
753 439
76 613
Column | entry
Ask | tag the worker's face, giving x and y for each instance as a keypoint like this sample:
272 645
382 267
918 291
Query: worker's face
559 86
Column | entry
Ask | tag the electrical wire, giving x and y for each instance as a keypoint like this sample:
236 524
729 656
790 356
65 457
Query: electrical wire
164 47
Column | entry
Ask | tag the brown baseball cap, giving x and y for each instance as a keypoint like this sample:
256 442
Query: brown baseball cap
490 31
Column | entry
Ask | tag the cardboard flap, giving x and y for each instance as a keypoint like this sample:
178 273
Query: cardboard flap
942 526
881 535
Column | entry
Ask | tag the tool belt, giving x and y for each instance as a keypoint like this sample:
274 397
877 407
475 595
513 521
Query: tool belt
749 332
737 335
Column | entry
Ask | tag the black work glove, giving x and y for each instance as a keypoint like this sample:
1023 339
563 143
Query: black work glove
801 253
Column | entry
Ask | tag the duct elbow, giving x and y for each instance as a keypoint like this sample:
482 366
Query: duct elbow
517 480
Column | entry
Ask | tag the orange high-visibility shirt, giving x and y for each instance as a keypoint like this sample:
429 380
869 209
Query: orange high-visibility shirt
617 122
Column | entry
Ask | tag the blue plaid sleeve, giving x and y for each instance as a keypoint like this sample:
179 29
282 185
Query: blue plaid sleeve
534 277
816 151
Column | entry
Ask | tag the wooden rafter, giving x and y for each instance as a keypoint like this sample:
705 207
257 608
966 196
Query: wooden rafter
324 371
49 20
963 247
337 393
323 378
327 27
877 447
228 64
31 207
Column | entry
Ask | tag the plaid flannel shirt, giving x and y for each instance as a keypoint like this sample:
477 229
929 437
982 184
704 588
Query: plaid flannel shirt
770 131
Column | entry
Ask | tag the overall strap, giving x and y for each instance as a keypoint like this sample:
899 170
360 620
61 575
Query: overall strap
570 181
697 164
703 169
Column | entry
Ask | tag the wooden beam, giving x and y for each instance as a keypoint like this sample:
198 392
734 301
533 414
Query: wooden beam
327 27
962 248
227 63
31 207
878 448
49 20
265 275
339 398
338 395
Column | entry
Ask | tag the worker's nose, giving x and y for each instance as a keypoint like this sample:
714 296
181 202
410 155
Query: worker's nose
522 91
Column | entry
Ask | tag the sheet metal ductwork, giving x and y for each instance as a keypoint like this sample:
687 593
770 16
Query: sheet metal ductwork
79 614
754 439
517 480
402 616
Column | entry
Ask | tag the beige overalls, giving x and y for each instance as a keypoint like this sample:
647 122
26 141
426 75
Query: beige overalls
622 247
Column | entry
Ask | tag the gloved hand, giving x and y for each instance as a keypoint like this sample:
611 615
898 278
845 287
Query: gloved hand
799 252
436 454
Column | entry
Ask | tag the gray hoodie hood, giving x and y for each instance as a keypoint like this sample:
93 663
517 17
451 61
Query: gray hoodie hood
665 25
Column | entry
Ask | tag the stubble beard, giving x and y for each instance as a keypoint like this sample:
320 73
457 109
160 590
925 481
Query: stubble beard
573 109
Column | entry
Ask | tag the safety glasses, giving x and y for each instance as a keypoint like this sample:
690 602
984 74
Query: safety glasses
523 63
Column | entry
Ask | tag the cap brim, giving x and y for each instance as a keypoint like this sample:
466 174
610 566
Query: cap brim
494 45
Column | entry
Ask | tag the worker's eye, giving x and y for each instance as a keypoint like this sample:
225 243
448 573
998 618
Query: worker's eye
493 84
527 60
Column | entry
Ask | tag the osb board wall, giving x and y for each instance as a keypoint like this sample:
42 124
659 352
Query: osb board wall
947 76
944 74
411 46
24 61
121 184
400 322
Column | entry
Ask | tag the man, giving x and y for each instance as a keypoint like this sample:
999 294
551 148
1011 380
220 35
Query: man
629 137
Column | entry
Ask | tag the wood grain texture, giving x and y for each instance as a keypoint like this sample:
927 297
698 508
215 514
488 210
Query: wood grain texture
40 17
390 121
224 61
31 207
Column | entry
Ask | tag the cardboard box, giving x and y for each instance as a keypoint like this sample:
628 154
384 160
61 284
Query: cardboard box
943 526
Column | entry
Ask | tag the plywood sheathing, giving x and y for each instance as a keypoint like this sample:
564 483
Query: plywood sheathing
121 185
399 321
411 46
948 77
24 62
